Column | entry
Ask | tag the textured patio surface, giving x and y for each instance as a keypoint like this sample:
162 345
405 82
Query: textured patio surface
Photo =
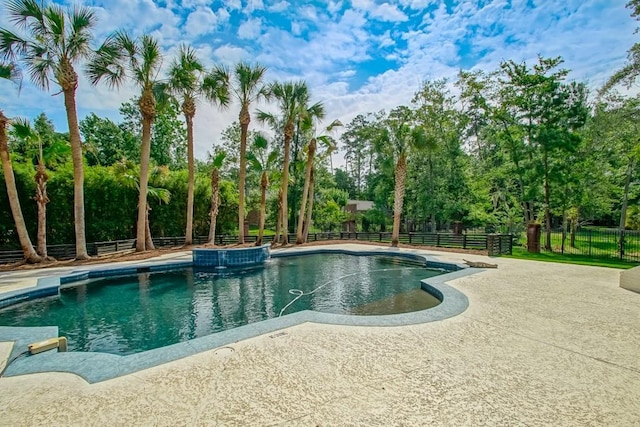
540 344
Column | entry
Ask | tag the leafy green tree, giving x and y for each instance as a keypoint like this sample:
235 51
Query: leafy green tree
10 72
441 166
549 113
617 123
121 56
345 182
330 213
168 136
56 38
631 70
358 140
109 142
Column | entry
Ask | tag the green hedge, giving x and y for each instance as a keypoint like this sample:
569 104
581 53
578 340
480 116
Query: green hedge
111 206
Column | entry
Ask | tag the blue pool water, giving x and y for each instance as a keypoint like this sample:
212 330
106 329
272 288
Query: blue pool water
130 314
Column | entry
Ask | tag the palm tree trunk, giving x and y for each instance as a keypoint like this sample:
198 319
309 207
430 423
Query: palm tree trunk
401 174
264 183
78 172
305 192
30 254
625 204
279 217
148 240
188 238
307 221
245 119
144 183
547 201
41 200
215 196
288 135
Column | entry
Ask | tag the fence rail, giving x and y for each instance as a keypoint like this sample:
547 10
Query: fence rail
594 243
495 244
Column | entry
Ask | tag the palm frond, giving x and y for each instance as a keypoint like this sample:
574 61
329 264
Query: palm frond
215 86
260 142
54 23
254 162
108 62
81 21
9 71
22 129
248 82
219 159
11 45
268 118
271 158
185 72
335 124
22 13
162 195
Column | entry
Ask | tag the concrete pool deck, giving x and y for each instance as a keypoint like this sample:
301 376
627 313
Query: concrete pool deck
540 344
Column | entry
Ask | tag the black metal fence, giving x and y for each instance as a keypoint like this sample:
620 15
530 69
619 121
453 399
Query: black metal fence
495 244
593 243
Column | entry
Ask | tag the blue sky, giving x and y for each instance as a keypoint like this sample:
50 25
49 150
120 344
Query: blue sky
357 56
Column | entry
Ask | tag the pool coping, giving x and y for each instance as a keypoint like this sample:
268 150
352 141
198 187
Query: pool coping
96 367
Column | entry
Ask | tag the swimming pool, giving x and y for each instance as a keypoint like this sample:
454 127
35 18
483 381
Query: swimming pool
135 313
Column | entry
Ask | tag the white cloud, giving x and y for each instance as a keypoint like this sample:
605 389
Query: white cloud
385 40
347 73
296 28
250 29
233 4
229 54
417 4
388 12
334 6
223 14
308 12
280 6
201 21
253 5
334 50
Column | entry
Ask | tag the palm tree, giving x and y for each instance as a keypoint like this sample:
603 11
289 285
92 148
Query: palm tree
263 162
215 195
188 81
121 56
330 146
311 152
10 72
57 39
126 171
292 98
23 129
400 136
247 87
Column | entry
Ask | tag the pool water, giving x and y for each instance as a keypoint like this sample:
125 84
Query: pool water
130 314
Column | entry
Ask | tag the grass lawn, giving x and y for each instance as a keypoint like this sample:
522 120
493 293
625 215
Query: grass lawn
521 253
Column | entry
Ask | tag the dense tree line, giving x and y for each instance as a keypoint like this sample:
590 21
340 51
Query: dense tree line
496 149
